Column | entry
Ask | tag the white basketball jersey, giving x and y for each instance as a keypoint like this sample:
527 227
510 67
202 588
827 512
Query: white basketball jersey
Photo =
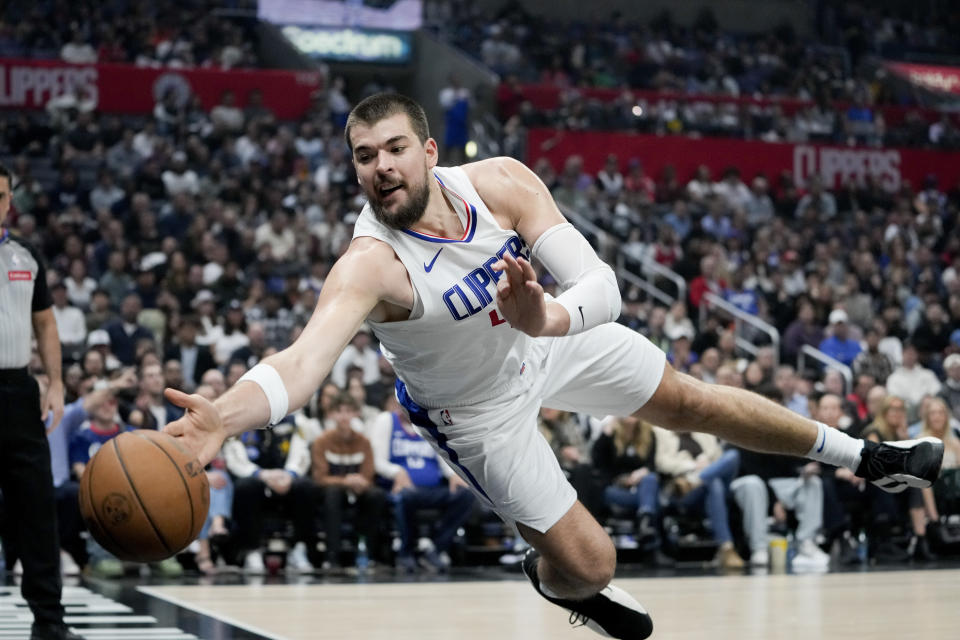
456 348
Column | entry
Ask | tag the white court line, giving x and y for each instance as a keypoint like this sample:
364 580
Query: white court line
207 612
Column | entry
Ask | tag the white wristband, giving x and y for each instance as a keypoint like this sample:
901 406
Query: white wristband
269 380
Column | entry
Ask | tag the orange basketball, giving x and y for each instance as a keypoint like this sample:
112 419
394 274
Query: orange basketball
144 496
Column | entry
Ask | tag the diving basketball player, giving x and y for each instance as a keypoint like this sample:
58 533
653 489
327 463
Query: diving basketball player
439 267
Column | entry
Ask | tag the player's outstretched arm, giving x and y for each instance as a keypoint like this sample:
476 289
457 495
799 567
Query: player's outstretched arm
364 275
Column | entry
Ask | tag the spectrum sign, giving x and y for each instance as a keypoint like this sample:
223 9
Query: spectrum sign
351 45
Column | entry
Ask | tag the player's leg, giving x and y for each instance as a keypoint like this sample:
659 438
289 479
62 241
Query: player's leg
577 558
571 565
751 421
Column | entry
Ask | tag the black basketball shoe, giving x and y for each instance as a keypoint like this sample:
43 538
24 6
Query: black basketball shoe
612 612
894 466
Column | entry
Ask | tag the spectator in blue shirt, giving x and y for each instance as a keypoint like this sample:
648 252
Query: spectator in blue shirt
418 480
740 296
839 346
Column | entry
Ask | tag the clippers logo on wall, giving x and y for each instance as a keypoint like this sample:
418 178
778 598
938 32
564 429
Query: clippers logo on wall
399 15
891 167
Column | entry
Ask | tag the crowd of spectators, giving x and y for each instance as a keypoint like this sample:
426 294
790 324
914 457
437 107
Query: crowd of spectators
176 33
186 246
690 66
616 50
868 277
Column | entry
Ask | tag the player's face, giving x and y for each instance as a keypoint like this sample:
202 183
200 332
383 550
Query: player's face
393 169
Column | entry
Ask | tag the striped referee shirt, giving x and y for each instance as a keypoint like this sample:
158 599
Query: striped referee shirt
23 291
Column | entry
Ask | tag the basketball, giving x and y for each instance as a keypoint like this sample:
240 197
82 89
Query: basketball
144 496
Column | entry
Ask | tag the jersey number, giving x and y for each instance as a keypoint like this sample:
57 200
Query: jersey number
495 318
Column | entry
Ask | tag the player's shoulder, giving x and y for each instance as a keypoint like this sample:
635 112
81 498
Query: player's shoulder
498 168
500 181
369 264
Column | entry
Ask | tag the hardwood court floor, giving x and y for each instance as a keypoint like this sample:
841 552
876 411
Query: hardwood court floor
846 606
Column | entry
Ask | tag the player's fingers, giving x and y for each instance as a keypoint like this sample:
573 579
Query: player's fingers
174 429
514 272
503 287
527 269
181 399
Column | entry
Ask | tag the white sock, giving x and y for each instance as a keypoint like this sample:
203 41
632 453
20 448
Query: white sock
835 447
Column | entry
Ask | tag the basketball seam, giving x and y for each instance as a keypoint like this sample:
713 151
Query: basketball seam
186 486
95 513
136 494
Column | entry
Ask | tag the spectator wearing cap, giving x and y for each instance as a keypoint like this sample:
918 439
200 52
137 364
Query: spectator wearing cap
194 359
71 326
839 345
912 381
99 340
680 355
951 385
126 331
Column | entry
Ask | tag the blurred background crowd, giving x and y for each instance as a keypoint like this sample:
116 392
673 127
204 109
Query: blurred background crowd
185 245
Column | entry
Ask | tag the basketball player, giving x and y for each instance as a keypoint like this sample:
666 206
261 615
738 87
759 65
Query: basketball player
439 267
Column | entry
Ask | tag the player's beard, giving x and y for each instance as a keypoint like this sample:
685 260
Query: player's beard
407 214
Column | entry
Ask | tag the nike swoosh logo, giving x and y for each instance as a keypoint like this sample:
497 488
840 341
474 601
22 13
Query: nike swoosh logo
582 321
429 267
824 440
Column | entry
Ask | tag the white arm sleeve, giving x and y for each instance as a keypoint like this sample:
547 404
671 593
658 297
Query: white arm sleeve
591 294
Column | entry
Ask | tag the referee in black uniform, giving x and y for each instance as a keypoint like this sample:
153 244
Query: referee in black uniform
29 514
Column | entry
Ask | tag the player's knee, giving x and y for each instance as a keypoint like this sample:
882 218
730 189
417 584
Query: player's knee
596 569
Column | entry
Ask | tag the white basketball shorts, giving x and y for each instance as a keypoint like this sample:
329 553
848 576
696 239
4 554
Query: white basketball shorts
495 445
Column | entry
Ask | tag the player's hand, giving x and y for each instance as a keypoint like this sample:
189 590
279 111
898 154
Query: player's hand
52 403
201 427
520 297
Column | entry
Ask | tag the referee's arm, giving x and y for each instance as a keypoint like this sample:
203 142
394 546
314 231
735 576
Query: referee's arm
48 344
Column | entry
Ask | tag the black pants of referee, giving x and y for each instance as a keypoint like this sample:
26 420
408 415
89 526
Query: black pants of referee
29 510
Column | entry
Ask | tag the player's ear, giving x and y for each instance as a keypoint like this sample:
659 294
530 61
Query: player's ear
433 154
